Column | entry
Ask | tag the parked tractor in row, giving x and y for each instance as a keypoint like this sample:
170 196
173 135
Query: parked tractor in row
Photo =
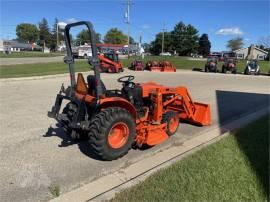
154 66
228 65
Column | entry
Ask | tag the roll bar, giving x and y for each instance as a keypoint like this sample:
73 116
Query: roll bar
69 59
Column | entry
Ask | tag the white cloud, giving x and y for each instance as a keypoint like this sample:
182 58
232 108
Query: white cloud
230 31
247 39
71 20
145 26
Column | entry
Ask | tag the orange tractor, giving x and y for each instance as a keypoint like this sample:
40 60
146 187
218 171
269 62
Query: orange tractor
110 63
164 66
136 65
115 120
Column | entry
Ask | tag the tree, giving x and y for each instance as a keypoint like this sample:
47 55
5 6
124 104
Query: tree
156 45
44 33
185 39
204 45
27 32
53 40
235 43
115 36
83 37
131 40
264 42
146 47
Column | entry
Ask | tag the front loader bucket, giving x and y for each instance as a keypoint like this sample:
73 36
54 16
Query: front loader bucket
202 115
169 69
155 69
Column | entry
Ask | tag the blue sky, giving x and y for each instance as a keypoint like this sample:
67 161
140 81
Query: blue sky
220 19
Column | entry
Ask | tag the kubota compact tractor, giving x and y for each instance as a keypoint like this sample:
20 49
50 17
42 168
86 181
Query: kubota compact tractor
114 120
110 63
229 65
211 64
164 66
137 65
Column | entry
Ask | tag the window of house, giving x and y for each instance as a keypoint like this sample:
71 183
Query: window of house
261 57
240 55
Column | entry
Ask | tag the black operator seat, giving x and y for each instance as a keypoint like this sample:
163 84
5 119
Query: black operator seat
91 80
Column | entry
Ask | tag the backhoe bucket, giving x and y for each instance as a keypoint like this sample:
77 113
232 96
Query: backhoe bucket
202 115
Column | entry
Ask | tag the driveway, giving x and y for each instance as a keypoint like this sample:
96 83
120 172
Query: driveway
35 154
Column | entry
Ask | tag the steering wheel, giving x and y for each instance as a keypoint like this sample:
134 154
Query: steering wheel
126 79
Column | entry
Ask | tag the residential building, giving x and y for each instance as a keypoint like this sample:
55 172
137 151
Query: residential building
251 52
15 46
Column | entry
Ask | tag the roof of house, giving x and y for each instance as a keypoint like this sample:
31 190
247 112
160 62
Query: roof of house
16 44
254 47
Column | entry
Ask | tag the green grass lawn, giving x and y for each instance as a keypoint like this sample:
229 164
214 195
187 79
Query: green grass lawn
24 70
24 54
233 169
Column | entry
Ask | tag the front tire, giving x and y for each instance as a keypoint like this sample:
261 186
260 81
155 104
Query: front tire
172 120
112 133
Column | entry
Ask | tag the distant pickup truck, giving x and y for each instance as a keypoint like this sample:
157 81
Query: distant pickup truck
165 54
82 52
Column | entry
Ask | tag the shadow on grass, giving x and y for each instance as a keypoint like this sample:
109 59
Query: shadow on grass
253 143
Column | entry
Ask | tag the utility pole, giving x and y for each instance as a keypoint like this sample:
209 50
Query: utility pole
57 36
127 16
162 45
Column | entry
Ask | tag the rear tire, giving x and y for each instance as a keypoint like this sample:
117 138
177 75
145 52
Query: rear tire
69 110
223 70
172 120
104 141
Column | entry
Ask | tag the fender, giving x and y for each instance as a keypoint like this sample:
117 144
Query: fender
118 102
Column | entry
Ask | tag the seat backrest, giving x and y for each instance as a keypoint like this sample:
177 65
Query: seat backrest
91 80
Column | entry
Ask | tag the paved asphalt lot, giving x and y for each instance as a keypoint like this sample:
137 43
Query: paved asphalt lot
33 158
29 60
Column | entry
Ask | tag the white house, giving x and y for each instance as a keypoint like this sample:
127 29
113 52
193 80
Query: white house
251 52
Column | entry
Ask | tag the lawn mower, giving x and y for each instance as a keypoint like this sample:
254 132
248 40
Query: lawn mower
110 63
211 64
164 66
252 67
229 65
115 120
137 65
